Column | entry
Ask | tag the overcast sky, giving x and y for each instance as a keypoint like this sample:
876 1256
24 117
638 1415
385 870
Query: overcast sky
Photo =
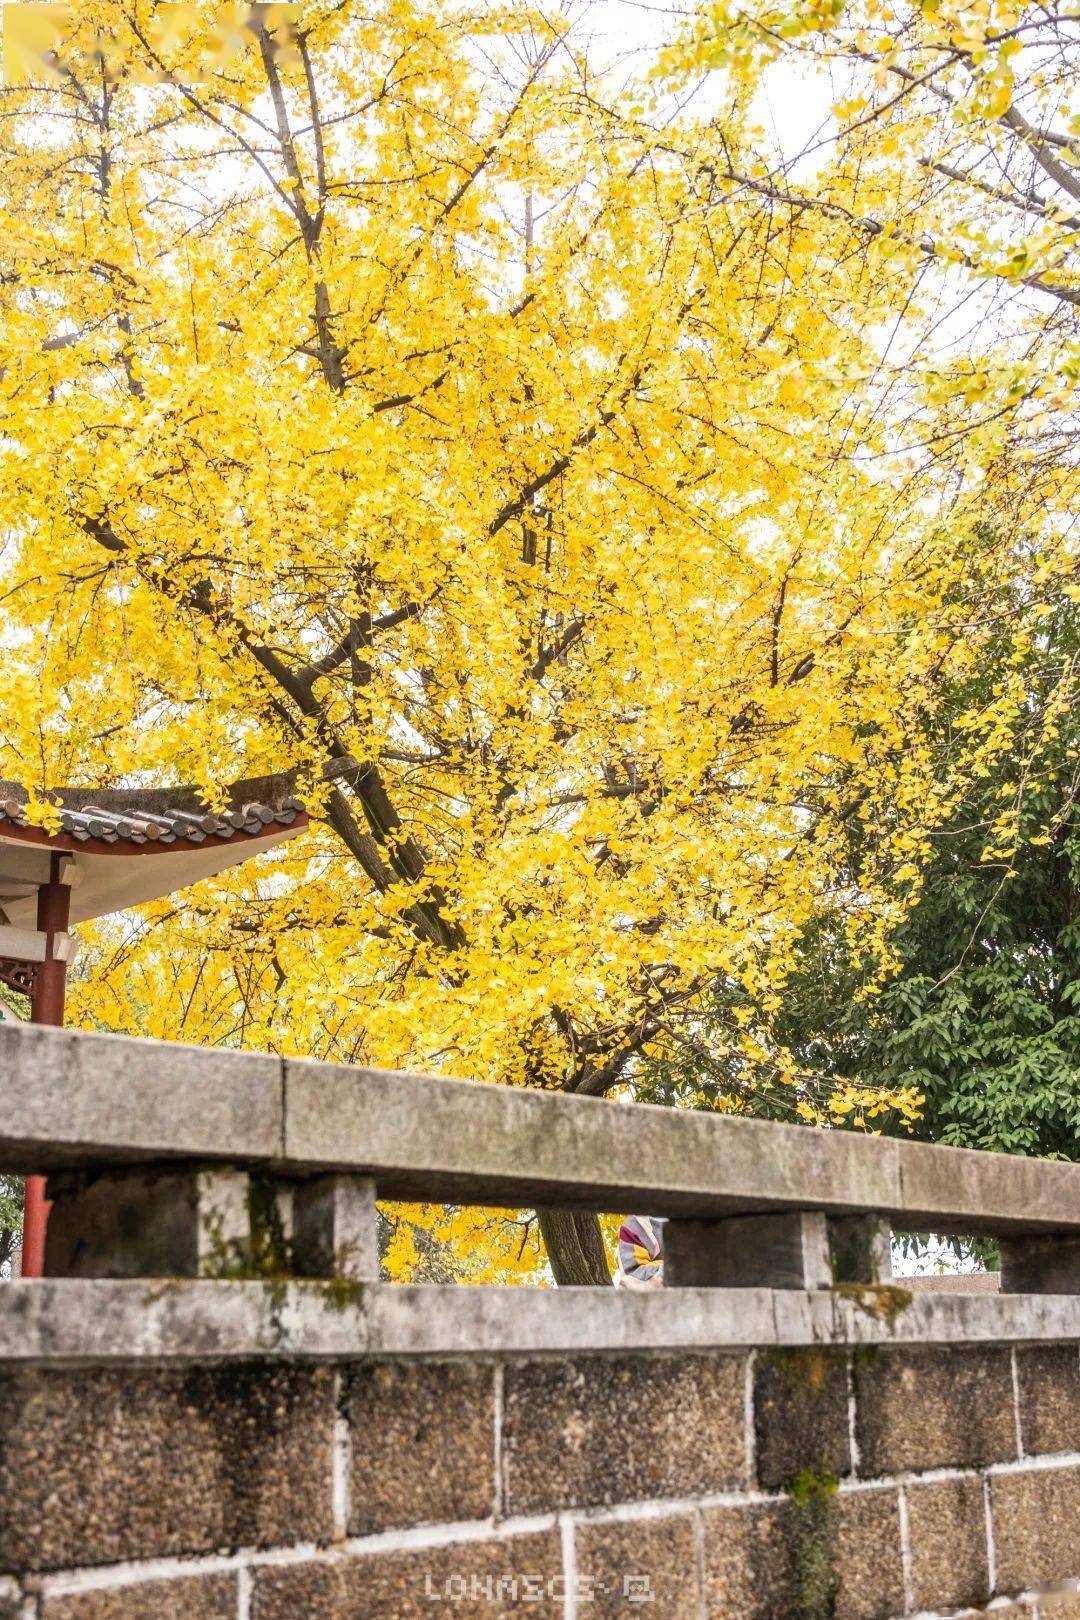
794 107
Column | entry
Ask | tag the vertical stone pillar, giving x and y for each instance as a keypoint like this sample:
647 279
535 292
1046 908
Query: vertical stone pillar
1040 1265
860 1247
222 1221
789 1249
149 1221
334 1231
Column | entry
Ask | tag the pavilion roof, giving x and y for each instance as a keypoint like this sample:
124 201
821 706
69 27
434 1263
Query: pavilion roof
175 838
157 816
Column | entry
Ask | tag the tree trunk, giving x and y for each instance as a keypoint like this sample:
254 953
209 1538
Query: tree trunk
575 1248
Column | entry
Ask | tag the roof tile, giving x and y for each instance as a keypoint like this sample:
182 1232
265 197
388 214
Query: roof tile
140 827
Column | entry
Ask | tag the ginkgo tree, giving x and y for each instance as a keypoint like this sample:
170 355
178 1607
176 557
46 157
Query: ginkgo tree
393 401
953 145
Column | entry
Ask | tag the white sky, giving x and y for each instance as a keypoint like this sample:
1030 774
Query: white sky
793 108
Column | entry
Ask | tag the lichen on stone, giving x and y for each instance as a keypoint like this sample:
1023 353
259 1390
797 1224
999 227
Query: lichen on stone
803 1368
266 1256
884 1302
811 1496
340 1293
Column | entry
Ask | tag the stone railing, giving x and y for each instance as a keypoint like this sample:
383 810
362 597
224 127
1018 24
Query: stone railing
212 1407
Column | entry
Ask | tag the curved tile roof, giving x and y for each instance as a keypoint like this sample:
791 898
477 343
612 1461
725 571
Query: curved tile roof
117 815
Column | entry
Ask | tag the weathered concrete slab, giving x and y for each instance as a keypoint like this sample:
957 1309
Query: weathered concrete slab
74 1320
535 1321
427 1138
70 1098
64 1321
896 1315
422 1137
960 1190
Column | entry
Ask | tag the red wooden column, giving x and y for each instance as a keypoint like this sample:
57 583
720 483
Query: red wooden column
46 1007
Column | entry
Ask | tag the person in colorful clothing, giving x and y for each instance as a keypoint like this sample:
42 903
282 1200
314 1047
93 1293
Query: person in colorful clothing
641 1252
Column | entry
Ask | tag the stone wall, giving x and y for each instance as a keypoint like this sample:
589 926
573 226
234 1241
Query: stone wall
864 1484
212 1408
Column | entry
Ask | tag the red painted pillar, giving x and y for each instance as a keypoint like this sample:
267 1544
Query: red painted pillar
46 1007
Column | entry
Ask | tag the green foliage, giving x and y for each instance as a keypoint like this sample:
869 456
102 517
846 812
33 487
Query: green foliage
980 1010
11 1212
11 1198
984 1013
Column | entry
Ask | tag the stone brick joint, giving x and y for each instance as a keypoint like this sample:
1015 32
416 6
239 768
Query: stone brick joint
723 1486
